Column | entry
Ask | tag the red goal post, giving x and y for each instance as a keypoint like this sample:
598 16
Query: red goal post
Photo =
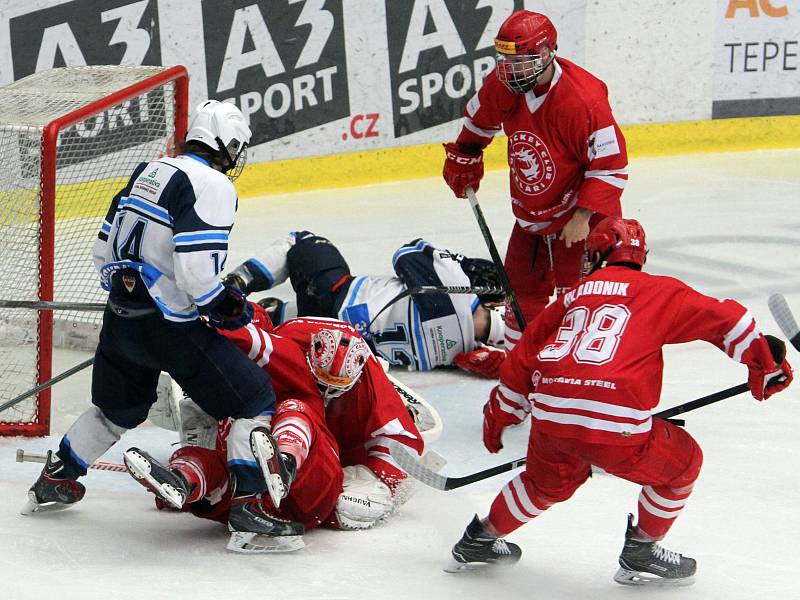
69 137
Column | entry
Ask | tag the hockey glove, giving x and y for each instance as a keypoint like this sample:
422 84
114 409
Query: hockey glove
495 420
250 276
484 361
463 168
364 500
770 373
232 312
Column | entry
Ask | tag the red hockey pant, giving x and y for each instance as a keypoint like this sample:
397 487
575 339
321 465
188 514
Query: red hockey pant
312 496
534 278
666 465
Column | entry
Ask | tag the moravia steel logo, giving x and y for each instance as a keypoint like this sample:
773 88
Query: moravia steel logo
532 166
439 53
282 62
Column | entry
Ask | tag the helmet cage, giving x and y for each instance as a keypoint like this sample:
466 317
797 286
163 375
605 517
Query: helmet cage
520 72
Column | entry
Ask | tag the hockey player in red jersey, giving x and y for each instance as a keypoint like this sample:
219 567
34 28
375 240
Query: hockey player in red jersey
588 370
567 158
336 410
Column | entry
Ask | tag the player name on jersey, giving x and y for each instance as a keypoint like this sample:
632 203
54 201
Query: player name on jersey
596 288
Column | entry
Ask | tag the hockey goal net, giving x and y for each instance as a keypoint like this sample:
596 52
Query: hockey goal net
69 139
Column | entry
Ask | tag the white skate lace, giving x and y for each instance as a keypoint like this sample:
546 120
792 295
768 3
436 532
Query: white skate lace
665 555
500 547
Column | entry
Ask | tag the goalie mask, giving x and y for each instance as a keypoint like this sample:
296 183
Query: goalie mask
615 240
526 45
222 127
336 359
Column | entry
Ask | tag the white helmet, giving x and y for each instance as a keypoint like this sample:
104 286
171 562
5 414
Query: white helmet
222 127
497 326
336 359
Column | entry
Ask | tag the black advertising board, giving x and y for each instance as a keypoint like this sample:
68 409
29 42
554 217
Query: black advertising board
439 52
281 61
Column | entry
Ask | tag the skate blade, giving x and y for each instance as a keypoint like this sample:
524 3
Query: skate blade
264 452
32 506
628 577
454 566
253 543
140 469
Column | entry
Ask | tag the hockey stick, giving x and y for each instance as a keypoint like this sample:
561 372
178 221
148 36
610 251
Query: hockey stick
45 305
785 319
430 478
498 263
100 465
436 289
46 384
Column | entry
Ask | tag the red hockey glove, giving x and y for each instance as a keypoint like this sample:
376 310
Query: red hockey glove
484 361
463 168
495 420
771 373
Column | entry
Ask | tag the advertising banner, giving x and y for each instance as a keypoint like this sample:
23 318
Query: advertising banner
757 58
313 77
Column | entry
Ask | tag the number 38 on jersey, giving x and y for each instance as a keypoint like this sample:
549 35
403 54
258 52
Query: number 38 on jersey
590 336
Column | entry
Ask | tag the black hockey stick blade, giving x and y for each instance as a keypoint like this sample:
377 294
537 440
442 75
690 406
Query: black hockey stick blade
785 319
411 465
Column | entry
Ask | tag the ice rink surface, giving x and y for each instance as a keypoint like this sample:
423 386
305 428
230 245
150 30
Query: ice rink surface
727 224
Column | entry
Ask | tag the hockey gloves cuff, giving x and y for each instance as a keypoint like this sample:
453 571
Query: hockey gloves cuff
232 312
498 414
771 373
484 361
463 168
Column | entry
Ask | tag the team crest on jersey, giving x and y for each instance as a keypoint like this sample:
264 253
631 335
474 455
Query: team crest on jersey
532 166
129 281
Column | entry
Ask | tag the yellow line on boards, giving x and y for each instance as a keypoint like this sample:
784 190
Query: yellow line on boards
414 162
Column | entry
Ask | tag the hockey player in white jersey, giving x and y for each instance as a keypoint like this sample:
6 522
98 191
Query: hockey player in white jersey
159 253
420 332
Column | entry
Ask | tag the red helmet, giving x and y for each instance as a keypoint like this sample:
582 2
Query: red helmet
336 359
617 240
519 45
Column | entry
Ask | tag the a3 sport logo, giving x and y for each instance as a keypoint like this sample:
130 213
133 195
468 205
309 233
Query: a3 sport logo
439 53
282 87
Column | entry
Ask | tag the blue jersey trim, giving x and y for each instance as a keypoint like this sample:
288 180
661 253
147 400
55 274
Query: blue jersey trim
475 304
354 293
205 298
407 250
240 462
264 270
148 207
186 238
197 158
423 360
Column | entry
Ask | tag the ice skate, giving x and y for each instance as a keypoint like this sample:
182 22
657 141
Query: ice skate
51 492
165 483
279 469
255 531
477 549
647 563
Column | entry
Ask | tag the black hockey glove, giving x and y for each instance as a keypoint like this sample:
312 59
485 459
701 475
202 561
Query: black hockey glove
232 312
